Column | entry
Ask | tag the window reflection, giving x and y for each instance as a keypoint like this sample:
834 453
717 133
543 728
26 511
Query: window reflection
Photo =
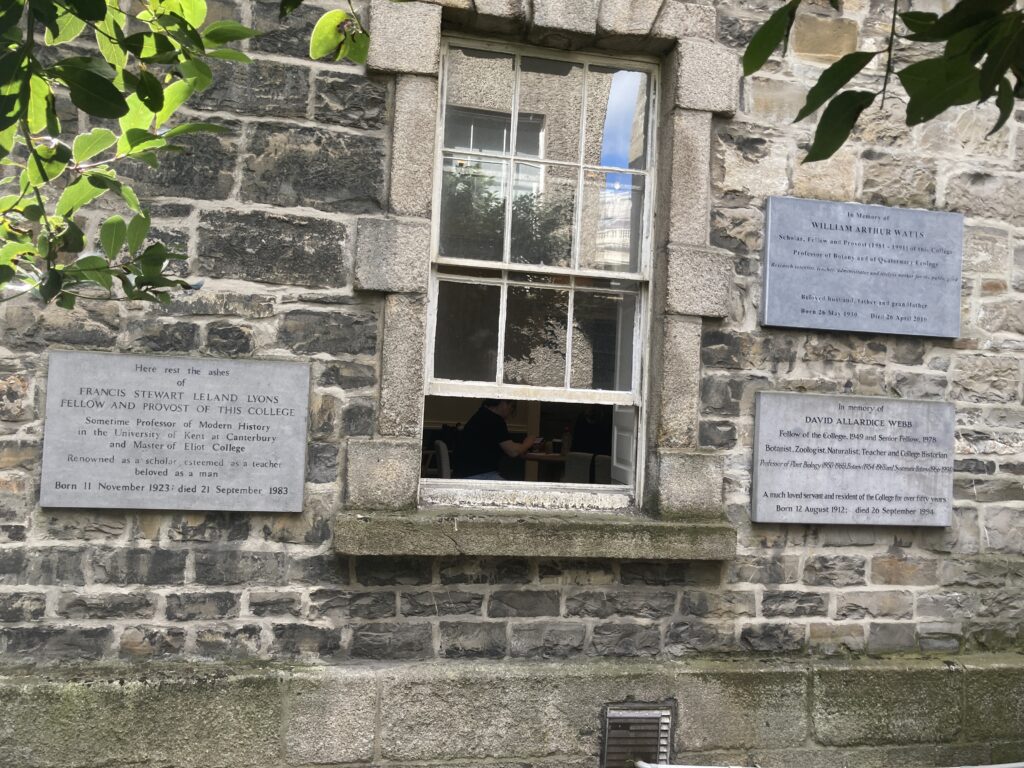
466 337
616 118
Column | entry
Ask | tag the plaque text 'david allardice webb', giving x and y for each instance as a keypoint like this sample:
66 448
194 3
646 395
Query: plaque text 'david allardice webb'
139 432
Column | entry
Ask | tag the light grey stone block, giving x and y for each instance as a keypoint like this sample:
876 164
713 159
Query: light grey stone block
697 281
382 474
689 485
683 212
330 716
627 17
502 15
401 385
677 389
412 144
404 37
707 77
679 19
392 255
567 16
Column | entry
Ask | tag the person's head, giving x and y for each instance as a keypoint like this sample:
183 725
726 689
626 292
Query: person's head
503 408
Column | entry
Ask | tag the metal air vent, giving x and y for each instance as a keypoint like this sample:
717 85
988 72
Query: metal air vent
636 732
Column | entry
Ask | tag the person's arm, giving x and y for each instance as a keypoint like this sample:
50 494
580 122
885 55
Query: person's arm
514 450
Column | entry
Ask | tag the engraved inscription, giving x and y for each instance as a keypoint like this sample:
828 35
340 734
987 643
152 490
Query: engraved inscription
852 460
845 266
174 433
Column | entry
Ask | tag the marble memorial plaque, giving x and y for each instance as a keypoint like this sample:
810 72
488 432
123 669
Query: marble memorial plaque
866 268
137 432
825 459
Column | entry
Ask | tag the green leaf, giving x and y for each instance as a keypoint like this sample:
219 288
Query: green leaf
836 123
193 11
184 128
46 12
90 10
51 286
11 14
69 27
93 94
359 48
45 164
72 240
935 85
832 79
327 35
40 104
150 92
220 32
88 145
138 117
112 236
196 73
287 7
963 15
183 32
138 228
229 54
918 21
109 28
75 195
11 251
767 38
1005 102
1006 47
66 301
92 268
141 140
175 95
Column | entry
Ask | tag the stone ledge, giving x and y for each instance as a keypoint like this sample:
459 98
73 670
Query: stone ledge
461 533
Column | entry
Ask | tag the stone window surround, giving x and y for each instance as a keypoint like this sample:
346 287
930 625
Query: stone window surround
683 507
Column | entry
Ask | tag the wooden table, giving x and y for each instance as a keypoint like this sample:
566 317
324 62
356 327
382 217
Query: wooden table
549 465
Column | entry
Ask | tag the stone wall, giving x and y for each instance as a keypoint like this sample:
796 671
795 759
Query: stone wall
272 216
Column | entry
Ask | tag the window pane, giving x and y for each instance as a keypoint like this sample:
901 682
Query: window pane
535 334
616 118
611 222
478 99
602 341
550 104
542 210
466 335
472 212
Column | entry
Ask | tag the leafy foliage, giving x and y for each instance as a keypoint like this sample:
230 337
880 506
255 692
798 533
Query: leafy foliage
981 57
129 72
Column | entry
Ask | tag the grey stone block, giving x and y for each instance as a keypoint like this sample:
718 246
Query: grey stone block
204 171
523 603
641 604
49 643
393 571
226 339
690 485
834 570
339 605
547 640
352 100
905 703
336 333
505 16
412 143
680 19
304 641
693 637
404 37
151 642
707 77
105 606
219 567
137 566
994 699
773 638
793 604
22 606
625 640
684 179
265 88
330 716
677 389
698 281
385 640
575 17
392 255
627 17
269 248
447 603
401 379
473 640
382 474
888 637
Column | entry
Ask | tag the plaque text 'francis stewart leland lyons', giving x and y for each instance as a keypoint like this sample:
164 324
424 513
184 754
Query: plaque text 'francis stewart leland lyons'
825 459
867 268
134 432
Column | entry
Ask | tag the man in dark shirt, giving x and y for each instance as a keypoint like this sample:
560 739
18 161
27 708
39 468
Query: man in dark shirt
484 440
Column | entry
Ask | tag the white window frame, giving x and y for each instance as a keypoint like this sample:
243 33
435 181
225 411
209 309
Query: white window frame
550 496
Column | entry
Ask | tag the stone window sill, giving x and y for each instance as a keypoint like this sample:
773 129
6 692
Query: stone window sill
451 532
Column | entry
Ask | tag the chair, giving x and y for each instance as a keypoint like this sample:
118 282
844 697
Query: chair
443 459
603 469
577 467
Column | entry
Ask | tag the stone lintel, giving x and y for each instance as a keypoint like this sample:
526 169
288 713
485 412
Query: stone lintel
459 532
404 37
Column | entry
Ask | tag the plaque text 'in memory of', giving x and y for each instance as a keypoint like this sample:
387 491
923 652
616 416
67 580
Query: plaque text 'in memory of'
867 268
826 459
139 432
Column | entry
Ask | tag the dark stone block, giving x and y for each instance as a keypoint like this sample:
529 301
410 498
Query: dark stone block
204 171
348 375
146 642
691 637
334 172
644 605
223 567
168 337
26 328
349 99
289 36
191 606
392 641
523 603
773 638
720 349
765 569
272 248
472 640
834 570
266 88
447 603
139 566
53 643
225 641
393 571
891 638
211 528
792 604
625 640
336 333
275 604
339 605
973 489
717 434
22 606
12 563
229 340
321 462
721 395
357 419
327 568
547 640
298 640
976 466
579 572
465 570
693 573
49 566
105 606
